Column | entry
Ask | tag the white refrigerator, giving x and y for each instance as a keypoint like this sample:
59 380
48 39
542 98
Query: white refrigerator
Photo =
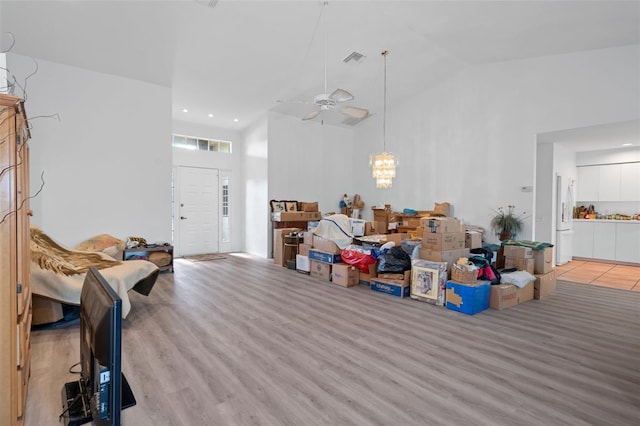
564 220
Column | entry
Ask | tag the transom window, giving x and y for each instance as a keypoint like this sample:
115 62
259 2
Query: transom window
201 144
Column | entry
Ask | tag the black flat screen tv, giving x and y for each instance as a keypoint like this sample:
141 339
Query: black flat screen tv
102 391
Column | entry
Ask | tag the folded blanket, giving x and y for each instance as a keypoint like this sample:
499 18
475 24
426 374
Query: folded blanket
336 228
535 245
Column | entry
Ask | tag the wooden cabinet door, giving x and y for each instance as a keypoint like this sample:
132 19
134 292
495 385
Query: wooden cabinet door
8 261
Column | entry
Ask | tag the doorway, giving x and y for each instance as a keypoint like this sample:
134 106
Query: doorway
196 211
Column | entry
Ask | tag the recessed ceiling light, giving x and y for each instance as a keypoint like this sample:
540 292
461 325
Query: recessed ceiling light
210 115
235 120
627 144
185 110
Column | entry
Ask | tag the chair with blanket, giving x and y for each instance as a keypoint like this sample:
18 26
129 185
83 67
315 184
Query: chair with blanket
57 273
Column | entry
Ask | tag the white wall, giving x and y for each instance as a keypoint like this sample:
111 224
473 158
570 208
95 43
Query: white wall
256 217
107 163
472 140
222 161
309 161
544 214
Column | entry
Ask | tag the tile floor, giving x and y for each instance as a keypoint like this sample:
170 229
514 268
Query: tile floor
598 273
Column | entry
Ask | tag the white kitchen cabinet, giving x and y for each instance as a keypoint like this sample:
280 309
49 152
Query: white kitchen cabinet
588 183
583 239
628 242
630 182
609 182
604 240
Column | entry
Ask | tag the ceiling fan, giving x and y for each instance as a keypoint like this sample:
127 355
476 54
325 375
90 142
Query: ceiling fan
326 101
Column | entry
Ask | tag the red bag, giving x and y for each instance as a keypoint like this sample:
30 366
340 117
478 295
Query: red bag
357 259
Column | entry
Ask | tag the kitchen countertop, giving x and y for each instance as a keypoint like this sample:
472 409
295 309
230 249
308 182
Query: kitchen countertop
607 221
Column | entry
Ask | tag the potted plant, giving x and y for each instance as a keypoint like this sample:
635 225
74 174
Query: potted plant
506 224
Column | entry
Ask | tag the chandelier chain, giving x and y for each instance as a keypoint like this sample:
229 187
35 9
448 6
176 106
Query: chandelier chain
384 111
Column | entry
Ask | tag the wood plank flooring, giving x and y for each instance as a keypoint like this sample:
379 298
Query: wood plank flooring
241 341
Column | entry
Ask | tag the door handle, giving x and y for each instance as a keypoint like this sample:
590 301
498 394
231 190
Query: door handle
182 217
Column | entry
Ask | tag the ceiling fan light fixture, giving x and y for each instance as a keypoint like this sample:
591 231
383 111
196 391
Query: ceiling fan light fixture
340 95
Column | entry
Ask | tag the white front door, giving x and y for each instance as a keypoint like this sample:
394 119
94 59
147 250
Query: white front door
197 211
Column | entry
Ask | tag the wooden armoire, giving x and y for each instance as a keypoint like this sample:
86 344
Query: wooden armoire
15 291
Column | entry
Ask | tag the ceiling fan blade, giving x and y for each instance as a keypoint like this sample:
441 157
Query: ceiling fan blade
311 115
288 101
340 95
355 112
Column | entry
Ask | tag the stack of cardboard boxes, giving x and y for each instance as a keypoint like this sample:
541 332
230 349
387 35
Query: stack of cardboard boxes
538 263
443 240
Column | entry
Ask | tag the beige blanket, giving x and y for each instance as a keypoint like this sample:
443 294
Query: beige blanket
59 273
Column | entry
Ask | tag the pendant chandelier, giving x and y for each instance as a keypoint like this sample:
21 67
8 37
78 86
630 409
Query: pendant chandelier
383 165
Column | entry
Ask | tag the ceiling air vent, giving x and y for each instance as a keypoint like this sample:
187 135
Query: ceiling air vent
208 3
354 57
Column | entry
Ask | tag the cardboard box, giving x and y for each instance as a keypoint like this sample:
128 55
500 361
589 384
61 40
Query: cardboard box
399 288
519 263
441 225
544 285
357 227
468 298
365 279
525 293
396 237
449 256
320 270
303 263
473 239
369 228
543 260
505 296
323 256
380 227
345 275
518 251
45 310
381 215
443 242
411 221
294 216
278 244
307 238
325 245
303 249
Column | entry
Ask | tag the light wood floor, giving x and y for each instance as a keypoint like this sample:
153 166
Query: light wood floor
599 273
241 341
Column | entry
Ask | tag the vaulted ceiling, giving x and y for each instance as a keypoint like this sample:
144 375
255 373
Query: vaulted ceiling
238 58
